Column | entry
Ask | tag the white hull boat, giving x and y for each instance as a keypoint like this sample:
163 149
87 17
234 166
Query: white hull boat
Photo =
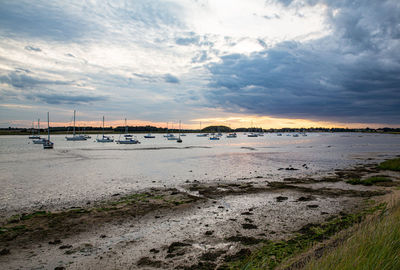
39 141
74 136
104 138
47 144
128 141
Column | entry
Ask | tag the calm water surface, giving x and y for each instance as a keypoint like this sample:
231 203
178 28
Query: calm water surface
76 172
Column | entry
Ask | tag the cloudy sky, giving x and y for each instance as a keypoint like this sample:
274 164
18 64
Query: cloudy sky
275 63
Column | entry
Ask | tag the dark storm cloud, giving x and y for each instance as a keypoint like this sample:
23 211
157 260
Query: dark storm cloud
187 41
80 21
200 57
351 75
31 87
40 20
56 98
31 48
20 79
171 78
286 2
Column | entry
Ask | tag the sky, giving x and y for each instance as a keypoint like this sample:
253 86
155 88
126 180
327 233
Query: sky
264 63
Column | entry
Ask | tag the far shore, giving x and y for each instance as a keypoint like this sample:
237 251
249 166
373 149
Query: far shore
99 132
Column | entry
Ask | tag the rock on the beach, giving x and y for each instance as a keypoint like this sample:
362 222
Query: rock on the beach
55 242
281 198
249 226
4 251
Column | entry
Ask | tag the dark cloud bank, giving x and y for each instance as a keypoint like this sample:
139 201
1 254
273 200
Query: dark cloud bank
39 89
352 75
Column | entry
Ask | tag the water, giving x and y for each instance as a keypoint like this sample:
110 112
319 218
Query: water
76 172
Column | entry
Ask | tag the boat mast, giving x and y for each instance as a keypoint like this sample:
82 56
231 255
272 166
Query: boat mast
38 126
48 126
126 127
103 126
74 124
179 129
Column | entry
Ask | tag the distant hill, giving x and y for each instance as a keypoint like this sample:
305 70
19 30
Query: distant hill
215 129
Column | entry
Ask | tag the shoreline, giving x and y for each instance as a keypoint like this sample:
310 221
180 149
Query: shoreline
99 132
217 223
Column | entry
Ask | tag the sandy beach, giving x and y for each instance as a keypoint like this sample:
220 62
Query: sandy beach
199 226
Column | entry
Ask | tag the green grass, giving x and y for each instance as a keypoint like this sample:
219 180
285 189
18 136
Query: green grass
375 245
272 253
369 181
14 229
392 165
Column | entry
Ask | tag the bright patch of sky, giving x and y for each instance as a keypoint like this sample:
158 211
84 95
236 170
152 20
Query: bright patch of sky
250 21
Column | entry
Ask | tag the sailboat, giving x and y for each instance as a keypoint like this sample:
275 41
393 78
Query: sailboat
202 135
171 136
47 144
252 133
232 135
39 140
179 140
104 138
85 135
168 134
128 137
74 136
214 136
33 136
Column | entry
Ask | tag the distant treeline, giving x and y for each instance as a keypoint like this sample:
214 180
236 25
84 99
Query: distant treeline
209 129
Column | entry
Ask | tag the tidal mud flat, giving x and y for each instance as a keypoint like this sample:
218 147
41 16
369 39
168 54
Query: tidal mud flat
198 226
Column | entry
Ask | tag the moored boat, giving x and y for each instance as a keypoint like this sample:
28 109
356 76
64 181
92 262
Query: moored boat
47 144
75 137
33 136
104 138
231 135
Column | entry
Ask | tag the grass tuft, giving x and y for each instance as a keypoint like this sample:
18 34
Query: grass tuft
375 245
369 181
392 165
272 253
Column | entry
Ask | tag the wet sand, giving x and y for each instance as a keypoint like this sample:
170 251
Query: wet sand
200 225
